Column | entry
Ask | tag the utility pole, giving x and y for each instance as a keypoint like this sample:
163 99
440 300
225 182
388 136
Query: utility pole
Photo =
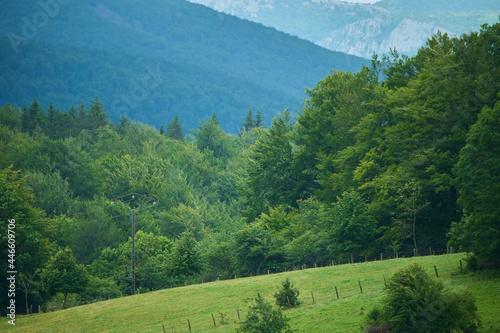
146 200
133 252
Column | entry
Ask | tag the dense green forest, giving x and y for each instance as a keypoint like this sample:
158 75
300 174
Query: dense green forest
150 61
399 158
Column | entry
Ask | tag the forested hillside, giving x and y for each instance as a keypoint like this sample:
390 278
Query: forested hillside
152 60
399 158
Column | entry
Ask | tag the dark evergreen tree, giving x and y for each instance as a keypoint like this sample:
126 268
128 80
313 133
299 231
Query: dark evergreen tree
97 117
25 119
249 121
36 118
174 130
50 128
162 131
81 118
259 122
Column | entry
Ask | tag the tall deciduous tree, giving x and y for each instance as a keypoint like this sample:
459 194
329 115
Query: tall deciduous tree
211 137
478 181
270 172
64 275
31 229
352 227
186 257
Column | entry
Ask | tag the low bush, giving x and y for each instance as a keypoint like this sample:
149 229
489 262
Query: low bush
415 302
288 295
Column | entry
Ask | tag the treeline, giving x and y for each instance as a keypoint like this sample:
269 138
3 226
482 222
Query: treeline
400 158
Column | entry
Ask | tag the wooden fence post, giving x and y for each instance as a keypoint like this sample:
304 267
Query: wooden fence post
360 288
238 311
189 325
435 268
381 256
164 329
213 318
337 292
312 295
385 282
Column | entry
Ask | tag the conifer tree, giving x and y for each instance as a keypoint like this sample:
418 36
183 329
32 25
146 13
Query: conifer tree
259 122
50 129
97 117
249 121
174 130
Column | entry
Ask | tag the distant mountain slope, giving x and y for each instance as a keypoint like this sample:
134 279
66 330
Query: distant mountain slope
154 59
362 29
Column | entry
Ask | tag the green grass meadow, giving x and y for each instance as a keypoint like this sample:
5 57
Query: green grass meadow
172 308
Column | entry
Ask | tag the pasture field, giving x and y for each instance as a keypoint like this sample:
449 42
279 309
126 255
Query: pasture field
172 308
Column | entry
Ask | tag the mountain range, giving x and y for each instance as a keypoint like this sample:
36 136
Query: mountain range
362 29
153 59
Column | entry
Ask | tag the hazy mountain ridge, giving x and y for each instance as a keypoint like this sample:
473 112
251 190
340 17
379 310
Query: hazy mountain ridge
204 61
361 29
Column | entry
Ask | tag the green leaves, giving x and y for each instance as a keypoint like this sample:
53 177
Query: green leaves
414 302
64 275
478 181
186 258
288 295
262 318
271 179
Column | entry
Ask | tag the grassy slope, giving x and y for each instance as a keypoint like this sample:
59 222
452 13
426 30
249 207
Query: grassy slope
173 307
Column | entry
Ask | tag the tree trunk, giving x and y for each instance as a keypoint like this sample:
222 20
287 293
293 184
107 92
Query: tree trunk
65 297
414 234
187 280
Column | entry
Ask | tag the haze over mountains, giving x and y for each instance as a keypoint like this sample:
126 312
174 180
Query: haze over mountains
154 59
361 29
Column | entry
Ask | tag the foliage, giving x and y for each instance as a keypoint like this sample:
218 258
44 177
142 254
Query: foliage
27 226
416 303
256 250
478 182
174 130
262 318
168 66
64 275
288 295
270 179
352 227
186 257
382 160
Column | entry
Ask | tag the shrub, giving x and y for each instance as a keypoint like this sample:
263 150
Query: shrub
262 318
416 303
288 295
